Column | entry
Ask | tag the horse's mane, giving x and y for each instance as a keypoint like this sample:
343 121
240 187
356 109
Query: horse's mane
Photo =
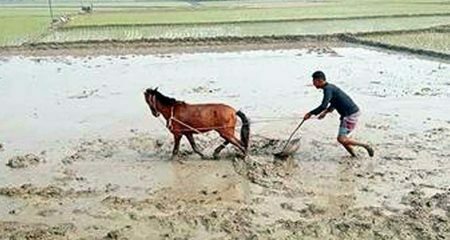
164 100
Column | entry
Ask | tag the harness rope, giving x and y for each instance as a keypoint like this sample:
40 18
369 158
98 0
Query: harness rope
171 119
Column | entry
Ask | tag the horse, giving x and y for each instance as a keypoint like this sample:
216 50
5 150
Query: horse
184 119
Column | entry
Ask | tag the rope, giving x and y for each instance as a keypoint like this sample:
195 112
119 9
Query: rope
262 117
273 120
198 130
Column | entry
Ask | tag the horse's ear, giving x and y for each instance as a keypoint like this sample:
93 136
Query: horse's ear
156 89
147 91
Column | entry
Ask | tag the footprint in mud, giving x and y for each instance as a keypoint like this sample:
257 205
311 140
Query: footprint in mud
376 126
49 213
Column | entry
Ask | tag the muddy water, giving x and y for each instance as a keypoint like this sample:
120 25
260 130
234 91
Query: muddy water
105 169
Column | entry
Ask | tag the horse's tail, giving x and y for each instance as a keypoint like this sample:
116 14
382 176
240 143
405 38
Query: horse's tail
245 129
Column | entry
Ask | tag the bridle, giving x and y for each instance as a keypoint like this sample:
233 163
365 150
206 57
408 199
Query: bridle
153 103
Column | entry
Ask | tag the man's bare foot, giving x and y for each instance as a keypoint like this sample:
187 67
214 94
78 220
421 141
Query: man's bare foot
370 150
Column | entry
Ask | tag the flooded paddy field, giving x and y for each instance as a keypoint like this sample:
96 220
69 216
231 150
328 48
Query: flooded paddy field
82 157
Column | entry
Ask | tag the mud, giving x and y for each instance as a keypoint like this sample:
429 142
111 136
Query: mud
15 230
24 161
28 191
108 174
372 223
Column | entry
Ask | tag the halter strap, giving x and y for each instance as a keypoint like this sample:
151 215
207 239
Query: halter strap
170 120
153 103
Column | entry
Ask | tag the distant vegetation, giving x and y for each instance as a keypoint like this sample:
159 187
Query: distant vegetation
28 21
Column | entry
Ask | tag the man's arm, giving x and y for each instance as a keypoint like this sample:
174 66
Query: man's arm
324 113
330 109
327 95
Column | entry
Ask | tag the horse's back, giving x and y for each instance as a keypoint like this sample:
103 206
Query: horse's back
206 115
212 106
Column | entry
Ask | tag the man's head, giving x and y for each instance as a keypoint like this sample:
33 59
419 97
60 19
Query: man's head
319 79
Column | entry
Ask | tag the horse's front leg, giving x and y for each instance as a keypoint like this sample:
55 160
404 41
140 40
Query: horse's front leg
176 145
190 137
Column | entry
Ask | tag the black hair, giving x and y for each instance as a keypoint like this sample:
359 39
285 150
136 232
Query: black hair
164 100
319 75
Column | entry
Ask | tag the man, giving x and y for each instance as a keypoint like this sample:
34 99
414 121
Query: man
335 98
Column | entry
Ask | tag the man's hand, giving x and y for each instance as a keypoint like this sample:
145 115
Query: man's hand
307 116
322 115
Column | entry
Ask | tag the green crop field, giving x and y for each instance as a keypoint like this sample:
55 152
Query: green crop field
19 25
28 21
261 12
433 41
314 27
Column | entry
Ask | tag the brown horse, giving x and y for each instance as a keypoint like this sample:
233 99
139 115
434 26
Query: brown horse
183 119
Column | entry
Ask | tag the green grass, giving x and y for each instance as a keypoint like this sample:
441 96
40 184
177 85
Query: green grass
28 20
263 11
243 29
21 25
433 41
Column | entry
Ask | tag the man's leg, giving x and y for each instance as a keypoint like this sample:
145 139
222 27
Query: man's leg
348 143
346 126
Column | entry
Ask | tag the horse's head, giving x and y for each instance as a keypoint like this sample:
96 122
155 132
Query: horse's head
150 99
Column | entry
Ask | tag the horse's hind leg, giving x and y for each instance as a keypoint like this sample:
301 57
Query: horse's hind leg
219 149
229 136
233 140
191 140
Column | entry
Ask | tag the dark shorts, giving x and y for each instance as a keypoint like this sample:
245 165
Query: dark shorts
348 124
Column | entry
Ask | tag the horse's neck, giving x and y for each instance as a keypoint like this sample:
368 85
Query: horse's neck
166 111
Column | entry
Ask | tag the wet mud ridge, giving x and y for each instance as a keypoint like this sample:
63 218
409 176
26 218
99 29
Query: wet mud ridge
182 45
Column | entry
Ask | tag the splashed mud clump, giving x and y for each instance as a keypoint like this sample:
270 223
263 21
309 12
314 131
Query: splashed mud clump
24 161
50 191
